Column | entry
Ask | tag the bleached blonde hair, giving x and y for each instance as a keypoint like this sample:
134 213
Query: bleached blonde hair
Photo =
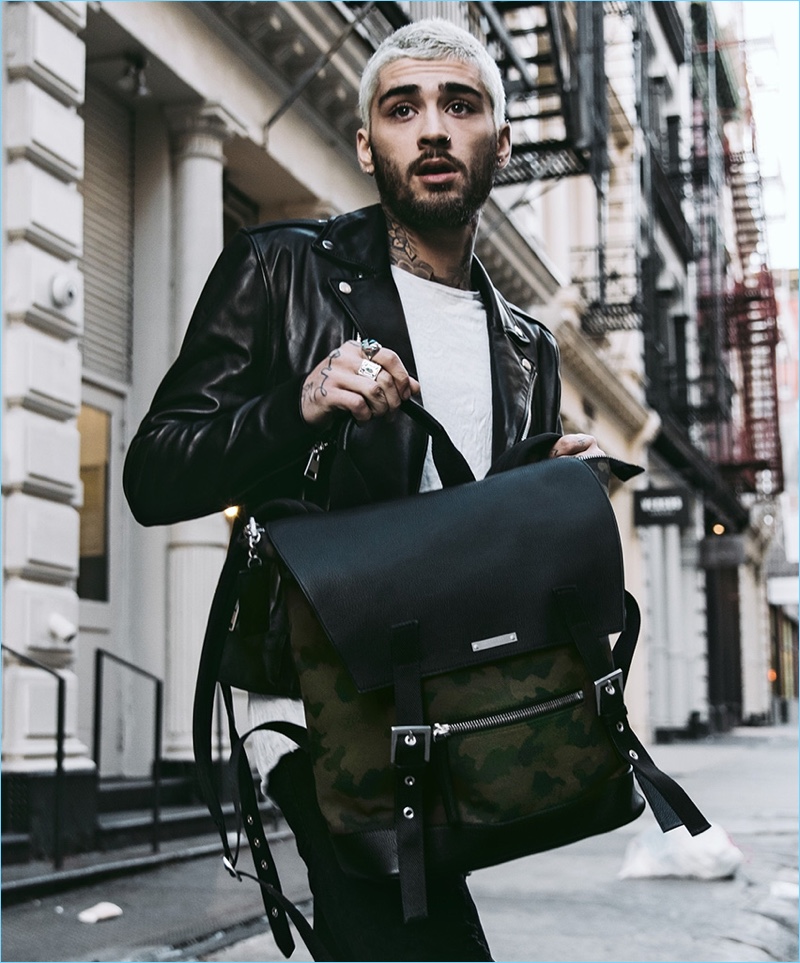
433 39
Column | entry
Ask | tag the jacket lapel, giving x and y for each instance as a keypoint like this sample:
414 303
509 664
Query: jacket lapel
389 452
513 366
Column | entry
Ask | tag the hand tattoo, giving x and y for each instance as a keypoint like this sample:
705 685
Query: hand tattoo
326 372
311 390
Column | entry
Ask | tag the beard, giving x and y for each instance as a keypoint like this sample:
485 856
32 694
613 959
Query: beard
442 206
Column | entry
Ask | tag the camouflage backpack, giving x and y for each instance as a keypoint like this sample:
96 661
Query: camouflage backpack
463 702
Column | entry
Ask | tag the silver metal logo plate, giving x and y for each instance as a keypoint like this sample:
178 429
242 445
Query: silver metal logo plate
492 643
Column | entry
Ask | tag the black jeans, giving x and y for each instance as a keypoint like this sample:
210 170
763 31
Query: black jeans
360 919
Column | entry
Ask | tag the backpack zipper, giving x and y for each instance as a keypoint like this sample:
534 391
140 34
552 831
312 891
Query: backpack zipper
443 730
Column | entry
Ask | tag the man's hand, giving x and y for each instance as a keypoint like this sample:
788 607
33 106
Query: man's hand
585 445
336 385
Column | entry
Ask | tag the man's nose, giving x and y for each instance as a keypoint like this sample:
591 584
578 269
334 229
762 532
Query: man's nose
434 131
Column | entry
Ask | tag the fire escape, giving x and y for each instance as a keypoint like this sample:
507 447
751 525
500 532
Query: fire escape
752 329
737 311
550 55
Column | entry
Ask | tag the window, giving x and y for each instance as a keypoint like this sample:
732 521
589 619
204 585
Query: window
94 426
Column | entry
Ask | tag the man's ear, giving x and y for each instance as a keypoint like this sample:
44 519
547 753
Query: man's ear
364 152
503 145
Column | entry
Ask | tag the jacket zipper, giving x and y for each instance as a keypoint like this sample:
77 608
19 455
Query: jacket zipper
443 730
529 408
312 466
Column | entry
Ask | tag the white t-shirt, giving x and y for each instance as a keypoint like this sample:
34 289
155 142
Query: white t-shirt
450 341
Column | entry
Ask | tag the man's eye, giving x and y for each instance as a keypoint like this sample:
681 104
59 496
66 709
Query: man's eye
401 110
461 107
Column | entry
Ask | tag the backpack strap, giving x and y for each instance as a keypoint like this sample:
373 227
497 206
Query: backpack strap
249 816
410 753
671 806
219 619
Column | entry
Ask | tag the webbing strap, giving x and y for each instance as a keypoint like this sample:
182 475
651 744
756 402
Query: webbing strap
249 814
410 752
204 697
671 806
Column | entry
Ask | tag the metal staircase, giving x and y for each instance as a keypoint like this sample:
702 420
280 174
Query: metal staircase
554 81
752 331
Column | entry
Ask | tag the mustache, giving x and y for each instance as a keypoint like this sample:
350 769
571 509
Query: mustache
432 155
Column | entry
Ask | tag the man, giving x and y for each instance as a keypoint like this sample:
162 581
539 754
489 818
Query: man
303 324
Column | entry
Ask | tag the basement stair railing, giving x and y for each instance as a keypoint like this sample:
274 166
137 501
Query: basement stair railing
58 807
100 657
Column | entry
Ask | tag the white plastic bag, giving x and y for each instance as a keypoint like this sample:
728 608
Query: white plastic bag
711 855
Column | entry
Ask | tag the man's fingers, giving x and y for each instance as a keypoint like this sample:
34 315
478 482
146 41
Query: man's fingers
576 444
394 367
331 384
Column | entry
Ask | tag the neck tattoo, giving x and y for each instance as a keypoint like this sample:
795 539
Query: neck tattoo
403 254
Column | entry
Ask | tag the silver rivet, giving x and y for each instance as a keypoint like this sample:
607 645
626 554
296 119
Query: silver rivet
274 912
409 780
257 842
249 820
410 739
526 364
328 245
633 754
610 689
620 727
264 864
344 287
408 812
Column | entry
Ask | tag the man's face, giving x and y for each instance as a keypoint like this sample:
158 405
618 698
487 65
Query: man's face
432 146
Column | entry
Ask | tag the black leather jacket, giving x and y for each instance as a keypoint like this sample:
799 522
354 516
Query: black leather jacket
225 426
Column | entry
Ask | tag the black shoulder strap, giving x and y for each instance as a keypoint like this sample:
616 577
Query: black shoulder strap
221 612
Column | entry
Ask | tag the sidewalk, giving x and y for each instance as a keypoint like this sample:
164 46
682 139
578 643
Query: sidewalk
566 905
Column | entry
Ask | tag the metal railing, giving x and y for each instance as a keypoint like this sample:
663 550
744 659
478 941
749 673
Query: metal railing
97 730
58 849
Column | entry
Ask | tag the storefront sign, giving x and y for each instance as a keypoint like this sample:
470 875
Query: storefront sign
661 506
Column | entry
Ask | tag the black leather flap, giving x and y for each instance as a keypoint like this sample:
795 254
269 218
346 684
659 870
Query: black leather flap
474 565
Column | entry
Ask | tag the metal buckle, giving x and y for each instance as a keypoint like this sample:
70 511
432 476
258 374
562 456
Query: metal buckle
611 684
411 737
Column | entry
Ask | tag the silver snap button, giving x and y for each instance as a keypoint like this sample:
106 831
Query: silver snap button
249 820
274 912
344 287
408 812
620 727
526 364
409 780
264 864
328 245
410 739
610 689
257 842
633 754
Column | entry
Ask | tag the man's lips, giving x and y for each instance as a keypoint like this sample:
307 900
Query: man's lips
436 171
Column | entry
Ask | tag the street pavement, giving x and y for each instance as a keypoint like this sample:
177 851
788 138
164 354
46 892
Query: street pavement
566 905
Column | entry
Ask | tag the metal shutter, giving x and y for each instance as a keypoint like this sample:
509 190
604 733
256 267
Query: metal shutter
107 235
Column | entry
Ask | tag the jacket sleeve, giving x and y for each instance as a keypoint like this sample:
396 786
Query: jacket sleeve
217 427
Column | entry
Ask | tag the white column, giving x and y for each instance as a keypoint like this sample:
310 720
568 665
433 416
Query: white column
196 549
44 60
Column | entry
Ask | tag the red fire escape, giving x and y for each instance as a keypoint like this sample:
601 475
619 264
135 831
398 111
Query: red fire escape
752 333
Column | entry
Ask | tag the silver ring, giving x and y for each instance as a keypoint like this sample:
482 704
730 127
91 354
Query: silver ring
369 369
370 347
